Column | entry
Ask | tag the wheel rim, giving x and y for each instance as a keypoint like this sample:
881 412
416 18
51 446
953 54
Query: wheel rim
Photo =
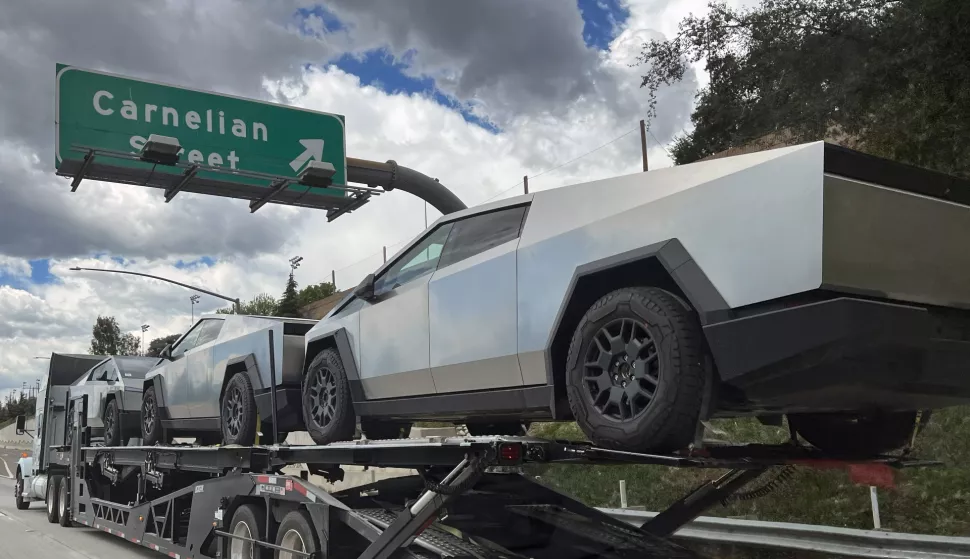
148 415
292 540
62 505
50 500
323 397
109 423
621 370
232 411
241 549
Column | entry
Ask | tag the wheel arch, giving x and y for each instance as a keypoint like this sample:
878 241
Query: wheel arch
338 340
241 364
156 382
666 265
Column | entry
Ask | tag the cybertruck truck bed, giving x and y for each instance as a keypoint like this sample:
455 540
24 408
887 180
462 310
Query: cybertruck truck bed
872 312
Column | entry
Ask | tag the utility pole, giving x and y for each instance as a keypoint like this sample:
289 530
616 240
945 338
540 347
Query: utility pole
144 328
333 278
525 182
643 143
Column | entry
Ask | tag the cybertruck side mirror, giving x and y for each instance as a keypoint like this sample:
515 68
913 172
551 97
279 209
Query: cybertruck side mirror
166 352
365 290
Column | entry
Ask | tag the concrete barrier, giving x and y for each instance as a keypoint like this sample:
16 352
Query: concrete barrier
10 439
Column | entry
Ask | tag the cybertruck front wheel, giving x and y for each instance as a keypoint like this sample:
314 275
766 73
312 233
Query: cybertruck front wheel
328 411
636 371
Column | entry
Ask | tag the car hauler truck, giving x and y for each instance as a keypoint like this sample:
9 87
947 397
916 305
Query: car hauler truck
469 498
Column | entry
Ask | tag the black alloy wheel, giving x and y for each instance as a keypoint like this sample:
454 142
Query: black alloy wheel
112 433
322 392
622 371
151 428
232 412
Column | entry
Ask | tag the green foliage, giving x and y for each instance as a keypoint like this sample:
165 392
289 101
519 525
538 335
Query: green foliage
891 77
14 405
158 344
107 339
928 500
316 292
290 303
263 304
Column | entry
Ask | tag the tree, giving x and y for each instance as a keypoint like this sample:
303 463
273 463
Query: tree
158 344
890 77
263 304
316 292
290 303
107 339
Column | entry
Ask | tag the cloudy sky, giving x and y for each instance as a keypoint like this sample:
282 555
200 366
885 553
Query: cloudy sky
477 94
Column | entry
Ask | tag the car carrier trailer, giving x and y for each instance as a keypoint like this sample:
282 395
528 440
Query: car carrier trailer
234 501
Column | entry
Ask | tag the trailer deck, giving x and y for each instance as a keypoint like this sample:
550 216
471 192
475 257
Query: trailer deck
186 501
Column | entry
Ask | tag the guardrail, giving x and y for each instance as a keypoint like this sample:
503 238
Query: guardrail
807 537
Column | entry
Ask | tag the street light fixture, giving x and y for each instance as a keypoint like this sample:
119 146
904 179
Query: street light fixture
295 262
317 173
194 299
185 285
160 149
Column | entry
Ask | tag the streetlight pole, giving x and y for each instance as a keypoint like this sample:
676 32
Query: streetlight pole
185 285
144 328
193 299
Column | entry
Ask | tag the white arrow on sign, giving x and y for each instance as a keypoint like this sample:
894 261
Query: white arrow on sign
314 150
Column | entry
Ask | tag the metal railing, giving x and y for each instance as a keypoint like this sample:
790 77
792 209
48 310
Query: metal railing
807 537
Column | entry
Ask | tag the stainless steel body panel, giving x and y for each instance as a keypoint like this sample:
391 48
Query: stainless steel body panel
472 313
119 377
394 343
894 244
192 382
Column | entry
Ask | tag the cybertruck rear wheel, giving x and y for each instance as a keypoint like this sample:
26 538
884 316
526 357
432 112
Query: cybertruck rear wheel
636 371
854 434
328 411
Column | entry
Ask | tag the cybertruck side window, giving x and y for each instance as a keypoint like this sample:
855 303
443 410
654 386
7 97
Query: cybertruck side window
188 342
478 233
420 260
210 331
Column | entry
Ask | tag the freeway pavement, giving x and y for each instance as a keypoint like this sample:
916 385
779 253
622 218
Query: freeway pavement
8 461
26 534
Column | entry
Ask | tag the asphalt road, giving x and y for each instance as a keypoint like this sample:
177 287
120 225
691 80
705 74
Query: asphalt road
8 461
26 534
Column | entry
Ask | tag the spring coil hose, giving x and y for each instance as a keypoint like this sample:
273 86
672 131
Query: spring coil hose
782 476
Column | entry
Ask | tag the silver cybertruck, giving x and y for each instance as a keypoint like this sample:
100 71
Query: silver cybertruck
113 387
812 282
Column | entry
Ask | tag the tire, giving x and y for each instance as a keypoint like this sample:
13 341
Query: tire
376 430
63 511
296 533
151 424
112 424
237 411
328 411
248 521
506 428
53 492
18 493
653 328
855 434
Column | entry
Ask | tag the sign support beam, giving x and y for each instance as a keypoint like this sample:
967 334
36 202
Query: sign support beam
88 159
186 177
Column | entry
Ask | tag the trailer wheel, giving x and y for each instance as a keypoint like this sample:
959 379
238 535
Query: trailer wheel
296 533
238 411
151 425
63 511
18 492
249 521
53 492
636 371
377 430
328 411
112 424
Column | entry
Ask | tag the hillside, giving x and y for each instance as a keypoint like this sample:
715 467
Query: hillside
925 500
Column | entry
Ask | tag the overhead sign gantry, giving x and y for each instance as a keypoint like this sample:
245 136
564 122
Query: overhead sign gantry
216 144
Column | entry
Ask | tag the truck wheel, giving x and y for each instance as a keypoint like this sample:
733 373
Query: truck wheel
249 521
375 429
63 511
18 493
238 411
296 533
507 428
53 492
112 424
855 434
151 424
328 411
635 371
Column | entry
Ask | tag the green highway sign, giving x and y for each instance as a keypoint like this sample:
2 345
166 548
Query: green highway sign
109 112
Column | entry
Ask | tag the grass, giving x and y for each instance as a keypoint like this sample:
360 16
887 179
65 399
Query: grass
930 500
